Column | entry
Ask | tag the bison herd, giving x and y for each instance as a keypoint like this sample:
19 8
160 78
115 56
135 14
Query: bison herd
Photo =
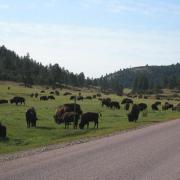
72 114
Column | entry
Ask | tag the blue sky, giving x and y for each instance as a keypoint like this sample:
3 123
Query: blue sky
93 36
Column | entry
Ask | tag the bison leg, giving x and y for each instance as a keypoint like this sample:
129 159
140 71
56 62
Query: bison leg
28 123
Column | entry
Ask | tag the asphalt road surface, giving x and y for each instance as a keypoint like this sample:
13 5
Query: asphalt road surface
151 153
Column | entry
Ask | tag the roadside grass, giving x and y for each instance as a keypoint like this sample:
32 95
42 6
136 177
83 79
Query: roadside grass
47 132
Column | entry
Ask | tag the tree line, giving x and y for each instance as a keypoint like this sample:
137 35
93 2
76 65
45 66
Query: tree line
140 79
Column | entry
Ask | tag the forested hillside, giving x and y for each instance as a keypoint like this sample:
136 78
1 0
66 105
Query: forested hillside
25 69
143 78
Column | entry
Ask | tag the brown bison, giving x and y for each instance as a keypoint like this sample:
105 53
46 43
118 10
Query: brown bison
127 100
51 97
115 105
89 117
43 98
17 100
67 108
67 118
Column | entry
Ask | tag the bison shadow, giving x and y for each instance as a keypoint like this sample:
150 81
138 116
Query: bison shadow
45 128
4 140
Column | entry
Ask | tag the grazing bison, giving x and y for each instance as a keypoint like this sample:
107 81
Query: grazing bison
51 97
155 106
89 117
36 95
67 118
67 108
94 96
98 95
52 92
3 101
43 98
17 100
167 106
42 91
106 102
127 100
32 95
67 93
2 131
72 98
88 97
115 105
31 117
142 106
57 93
134 114
80 98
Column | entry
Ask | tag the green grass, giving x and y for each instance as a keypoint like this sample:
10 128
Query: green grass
47 132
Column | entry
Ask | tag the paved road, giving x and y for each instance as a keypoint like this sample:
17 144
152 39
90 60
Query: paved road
151 153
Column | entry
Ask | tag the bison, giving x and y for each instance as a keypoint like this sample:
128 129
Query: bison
89 117
67 93
2 131
72 98
106 102
167 106
115 105
17 100
43 98
51 97
67 118
80 98
32 95
134 114
88 97
142 106
127 100
67 108
31 117
57 93
155 106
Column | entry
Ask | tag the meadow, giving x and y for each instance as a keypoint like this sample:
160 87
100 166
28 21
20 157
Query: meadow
48 132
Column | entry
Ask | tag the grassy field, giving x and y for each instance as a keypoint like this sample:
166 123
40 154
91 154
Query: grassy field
47 132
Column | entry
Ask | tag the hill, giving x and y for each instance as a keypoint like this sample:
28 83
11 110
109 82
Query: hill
27 70
148 77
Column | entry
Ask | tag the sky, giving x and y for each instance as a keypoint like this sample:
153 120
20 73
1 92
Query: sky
96 37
